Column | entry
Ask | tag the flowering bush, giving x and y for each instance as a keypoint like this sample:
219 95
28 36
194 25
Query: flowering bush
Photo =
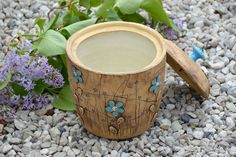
25 76
33 70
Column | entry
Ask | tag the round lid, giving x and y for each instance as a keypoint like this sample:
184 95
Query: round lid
187 69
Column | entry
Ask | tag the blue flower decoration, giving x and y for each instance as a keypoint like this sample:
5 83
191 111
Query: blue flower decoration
155 85
77 75
115 108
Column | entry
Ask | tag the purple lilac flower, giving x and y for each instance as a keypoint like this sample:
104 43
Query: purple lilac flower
26 70
179 23
34 102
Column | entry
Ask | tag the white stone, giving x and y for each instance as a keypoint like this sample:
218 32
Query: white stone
230 122
44 151
198 134
232 150
19 124
175 126
5 148
170 106
231 106
165 123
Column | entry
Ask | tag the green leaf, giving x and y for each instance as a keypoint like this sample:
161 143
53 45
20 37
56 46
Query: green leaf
40 86
155 9
71 29
70 18
95 3
51 23
133 18
18 89
56 62
65 100
103 9
40 22
8 79
128 6
112 15
85 3
52 44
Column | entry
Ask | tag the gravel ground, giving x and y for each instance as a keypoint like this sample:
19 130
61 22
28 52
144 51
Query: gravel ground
186 125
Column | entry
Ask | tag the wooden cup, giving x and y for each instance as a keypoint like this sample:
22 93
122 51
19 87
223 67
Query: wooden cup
116 74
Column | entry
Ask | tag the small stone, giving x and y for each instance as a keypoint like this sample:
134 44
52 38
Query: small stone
11 24
218 65
233 135
44 151
198 134
6 147
125 154
232 150
11 153
96 154
141 145
19 124
175 126
76 151
231 106
114 153
230 122
8 129
223 134
60 154
46 145
14 140
185 117
165 124
170 106
147 151
1 128
63 141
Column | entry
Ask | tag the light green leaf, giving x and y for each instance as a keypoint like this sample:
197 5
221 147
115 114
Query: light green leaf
155 9
71 29
128 6
103 9
85 3
95 3
70 18
52 44
40 22
8 79
65 100
51 23
112 15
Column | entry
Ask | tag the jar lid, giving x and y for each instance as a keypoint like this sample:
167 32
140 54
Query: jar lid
187 69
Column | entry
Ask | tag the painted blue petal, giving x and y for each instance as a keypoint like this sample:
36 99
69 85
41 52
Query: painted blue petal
80 79
152 89
75 79
109 109
78 73
156 90
120 110
158 78
119 104
154 82
115 114
111 103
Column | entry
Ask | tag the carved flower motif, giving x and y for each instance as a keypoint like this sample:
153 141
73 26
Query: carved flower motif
115 108
77 75
155 85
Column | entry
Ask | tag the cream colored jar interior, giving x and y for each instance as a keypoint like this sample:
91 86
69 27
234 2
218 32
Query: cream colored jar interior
116 52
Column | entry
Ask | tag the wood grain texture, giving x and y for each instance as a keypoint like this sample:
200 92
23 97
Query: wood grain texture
140 107
187 69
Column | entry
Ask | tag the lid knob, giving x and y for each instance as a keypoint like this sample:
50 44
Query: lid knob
197 53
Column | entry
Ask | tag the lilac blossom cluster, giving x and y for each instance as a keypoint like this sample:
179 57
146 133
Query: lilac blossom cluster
170 33
26 68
